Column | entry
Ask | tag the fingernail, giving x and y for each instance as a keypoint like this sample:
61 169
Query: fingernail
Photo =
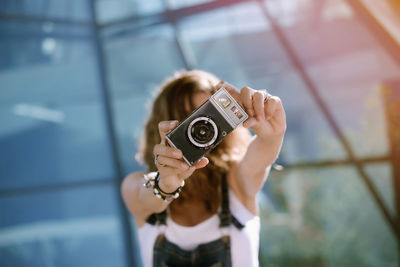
172 123
251 112
177 154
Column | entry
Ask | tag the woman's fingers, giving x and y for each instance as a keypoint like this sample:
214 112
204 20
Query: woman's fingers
170 162
167 171
172 167
253 102
247 100
165 127
167 151
250 122
258 105
270 106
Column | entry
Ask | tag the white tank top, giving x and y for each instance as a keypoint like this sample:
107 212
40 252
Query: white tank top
244 243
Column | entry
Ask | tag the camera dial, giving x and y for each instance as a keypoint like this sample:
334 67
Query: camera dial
202 132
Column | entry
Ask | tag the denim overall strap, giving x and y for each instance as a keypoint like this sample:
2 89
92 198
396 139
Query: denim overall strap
160 218
225 216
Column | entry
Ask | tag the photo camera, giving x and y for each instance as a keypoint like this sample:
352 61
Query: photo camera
207 126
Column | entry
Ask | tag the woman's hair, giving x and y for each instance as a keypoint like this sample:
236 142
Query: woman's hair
174 101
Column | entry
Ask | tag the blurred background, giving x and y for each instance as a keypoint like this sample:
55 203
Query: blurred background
75 77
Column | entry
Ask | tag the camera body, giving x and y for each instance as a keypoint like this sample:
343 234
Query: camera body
207 126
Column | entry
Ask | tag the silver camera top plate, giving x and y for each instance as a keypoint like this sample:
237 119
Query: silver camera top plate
224 102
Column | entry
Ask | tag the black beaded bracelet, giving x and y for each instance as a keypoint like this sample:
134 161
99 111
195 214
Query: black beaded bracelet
164 195
158 192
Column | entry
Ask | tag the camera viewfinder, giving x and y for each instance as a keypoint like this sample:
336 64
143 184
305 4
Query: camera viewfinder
224 100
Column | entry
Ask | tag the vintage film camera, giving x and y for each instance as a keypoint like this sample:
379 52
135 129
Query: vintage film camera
207 126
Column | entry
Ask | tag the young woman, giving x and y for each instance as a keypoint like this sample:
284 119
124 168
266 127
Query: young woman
214 221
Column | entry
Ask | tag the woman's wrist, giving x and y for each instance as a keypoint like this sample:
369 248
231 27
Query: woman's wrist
271 140
270 147
152 180
167 187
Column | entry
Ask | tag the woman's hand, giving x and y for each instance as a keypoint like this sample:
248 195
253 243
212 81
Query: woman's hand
267 118
173 169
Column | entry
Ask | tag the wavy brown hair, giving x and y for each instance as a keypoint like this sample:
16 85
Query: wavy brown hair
171 102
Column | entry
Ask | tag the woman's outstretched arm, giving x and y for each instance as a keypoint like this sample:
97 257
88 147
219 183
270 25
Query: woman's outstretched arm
267 119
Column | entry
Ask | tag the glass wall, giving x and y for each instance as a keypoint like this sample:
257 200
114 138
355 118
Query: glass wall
59 191
76 78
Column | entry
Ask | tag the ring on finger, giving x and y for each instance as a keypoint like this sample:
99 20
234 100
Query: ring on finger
156 161
266 95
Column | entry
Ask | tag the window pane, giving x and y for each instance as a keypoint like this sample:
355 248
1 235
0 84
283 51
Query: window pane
381 175
53 128
110 10
243 52
137 64
346 62
325 217
65 9
77 227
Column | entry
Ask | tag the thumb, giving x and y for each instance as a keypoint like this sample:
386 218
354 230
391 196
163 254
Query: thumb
202 163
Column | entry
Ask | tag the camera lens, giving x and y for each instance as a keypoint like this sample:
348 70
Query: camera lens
202 132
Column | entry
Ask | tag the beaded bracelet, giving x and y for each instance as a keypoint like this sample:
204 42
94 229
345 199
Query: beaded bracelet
158 192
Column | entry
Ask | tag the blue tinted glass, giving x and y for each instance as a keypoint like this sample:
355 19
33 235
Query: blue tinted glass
65 9
52 121
77 227
137 64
